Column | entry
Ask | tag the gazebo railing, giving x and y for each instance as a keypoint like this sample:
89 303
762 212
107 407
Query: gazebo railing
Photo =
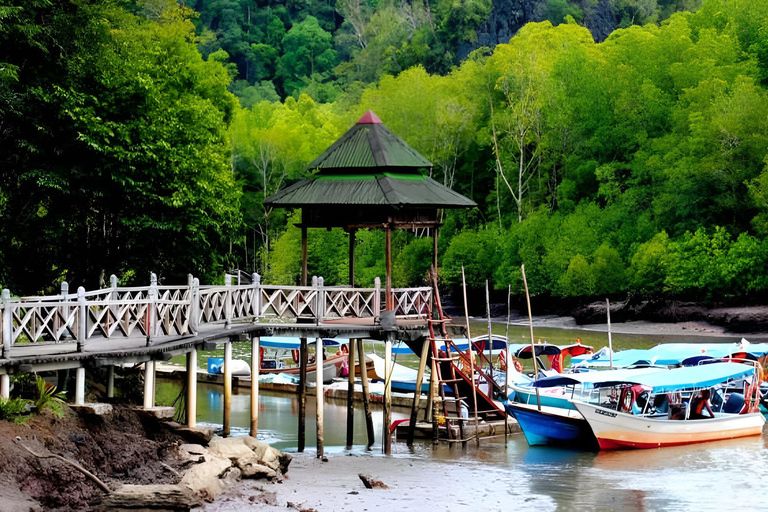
155 311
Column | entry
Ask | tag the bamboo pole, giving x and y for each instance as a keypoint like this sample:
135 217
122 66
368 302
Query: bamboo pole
490 333
255 370
417 391
320 395
192 388
366 392
471 355
351 394
387 438
302 393
610 342
227 388
508 357
533 348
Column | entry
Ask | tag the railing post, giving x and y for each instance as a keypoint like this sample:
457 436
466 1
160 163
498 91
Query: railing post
113 296
256 302
320 300
228 301
194 306
152 309
314 287
7 324
82 319
377 297
63 313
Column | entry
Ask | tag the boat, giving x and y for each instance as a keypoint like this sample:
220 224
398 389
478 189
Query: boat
552 418
332 365
629 422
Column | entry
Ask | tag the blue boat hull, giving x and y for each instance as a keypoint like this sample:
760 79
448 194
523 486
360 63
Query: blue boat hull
546 400
541 428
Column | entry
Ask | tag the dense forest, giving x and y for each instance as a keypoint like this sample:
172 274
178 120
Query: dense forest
615 146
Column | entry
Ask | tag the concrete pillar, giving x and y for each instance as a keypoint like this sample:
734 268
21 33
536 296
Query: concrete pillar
320 394
5 386
366 392
302 393
192 388
227 388
111 382
80 386
255 367
149 384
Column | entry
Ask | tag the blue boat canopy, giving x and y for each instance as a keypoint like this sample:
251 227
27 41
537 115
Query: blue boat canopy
478 342
290 343
692 377
592 379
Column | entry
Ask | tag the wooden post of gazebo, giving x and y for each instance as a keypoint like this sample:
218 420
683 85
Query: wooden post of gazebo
371 179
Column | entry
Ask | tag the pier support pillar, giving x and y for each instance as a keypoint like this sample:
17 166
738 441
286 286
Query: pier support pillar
351 394
320 395
387 444
149 384
111 382
5 386
417 391
389 300
80 386
366 392
255 367
352 232
227 388
192 388
302 393
304 271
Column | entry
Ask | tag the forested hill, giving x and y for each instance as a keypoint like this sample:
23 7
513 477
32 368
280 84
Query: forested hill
327 47
633 165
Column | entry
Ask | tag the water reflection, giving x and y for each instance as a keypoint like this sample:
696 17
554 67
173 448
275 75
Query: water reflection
725 475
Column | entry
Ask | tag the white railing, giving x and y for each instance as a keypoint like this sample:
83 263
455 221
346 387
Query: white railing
154 311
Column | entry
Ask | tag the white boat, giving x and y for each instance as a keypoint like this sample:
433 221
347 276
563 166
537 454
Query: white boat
737 415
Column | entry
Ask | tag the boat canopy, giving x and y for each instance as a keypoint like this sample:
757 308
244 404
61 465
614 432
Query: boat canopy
593 378
291 343
692 377
671 354
523 351
480 343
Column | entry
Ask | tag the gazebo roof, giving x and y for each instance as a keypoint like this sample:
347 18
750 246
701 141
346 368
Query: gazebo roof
368 145
369 166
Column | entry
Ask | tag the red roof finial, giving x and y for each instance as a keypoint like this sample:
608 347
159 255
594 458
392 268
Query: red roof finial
369 118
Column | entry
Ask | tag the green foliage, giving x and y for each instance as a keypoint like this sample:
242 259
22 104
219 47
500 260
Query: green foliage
14 409
49 398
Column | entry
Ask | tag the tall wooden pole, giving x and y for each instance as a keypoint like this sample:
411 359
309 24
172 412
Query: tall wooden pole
303 255
302 393
533 348
227 388
490 333
366 392
320 395
507 355
389 299
387 441
471 355
351 394
352 232
417 391
255 370
610 341
192 388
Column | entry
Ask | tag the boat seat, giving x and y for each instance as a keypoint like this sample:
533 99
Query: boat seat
734 403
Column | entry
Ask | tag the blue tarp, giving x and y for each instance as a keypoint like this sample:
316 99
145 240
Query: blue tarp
692 377
499 343
667 354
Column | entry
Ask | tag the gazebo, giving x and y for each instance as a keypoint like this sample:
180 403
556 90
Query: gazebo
368 178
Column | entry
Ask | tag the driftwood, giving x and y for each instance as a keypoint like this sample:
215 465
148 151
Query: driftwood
371 483
75 465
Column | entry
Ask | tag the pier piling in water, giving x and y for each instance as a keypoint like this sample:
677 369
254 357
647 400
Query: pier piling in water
319 396
255 367
111 381
302 393
192 388
351 393
366 396
5 386
227 388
